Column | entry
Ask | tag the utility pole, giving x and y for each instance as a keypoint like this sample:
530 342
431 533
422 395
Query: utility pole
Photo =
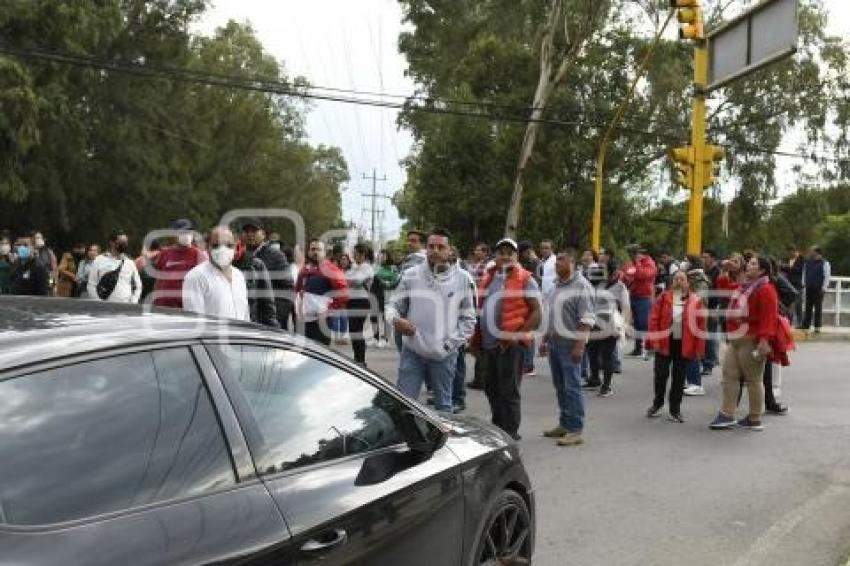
374 195
696 162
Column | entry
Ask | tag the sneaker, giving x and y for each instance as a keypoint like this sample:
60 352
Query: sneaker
645 356
694 390
618 370
473 385
605 392
570 439
750 424
529 373
653 411
635 353
515 436
706 372
556 432
429 401
382 344
591 384
458 408
675 418
721 422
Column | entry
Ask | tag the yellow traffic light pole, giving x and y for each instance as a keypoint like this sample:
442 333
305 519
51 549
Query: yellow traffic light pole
701 175
596 233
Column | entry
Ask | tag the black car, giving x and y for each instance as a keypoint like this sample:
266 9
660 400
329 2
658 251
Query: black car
131 437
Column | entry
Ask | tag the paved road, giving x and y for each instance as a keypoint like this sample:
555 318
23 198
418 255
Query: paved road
650 492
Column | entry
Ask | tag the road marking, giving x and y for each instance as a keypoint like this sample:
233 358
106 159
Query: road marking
766 543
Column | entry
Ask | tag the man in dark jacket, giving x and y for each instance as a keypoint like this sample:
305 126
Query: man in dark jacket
261 303
29 275
254 238
816 274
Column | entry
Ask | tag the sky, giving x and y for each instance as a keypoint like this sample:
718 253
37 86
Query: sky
352 44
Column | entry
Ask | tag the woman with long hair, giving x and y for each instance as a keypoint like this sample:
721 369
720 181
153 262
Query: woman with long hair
359 277
751 325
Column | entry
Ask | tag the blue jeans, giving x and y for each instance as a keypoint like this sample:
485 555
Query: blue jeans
338 323
459 383
566 377
640 310
414 370
692 373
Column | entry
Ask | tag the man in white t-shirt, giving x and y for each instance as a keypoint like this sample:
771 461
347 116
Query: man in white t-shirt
215 287
128 287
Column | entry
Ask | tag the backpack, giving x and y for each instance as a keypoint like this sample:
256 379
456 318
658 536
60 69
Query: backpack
107 283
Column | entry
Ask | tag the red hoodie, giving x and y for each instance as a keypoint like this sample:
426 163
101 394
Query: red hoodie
760 315
639 277
693 326
173 263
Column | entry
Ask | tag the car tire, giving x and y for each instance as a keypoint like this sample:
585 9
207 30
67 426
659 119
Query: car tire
506 535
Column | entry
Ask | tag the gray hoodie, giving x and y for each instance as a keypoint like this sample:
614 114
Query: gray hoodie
441 306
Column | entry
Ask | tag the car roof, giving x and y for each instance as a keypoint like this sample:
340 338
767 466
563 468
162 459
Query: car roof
36 329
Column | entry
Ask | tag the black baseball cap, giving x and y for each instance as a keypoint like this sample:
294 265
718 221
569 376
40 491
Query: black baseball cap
182 224
253 222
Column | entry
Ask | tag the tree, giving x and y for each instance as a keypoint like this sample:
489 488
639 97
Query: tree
475 66
833 235
86 150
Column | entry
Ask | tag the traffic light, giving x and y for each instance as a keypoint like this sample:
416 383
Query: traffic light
683 159
712 156
690 17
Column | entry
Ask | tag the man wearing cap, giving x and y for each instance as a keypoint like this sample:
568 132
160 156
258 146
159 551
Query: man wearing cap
510 311
173 263
256 246
639 277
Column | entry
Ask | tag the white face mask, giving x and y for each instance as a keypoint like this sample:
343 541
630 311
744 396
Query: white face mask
5 249
185 239
275 246
222 256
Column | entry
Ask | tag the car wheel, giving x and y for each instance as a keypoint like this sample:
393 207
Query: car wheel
506 538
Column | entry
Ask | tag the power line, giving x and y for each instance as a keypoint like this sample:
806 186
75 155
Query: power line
279 87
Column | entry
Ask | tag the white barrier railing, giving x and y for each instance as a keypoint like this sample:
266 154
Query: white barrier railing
836 302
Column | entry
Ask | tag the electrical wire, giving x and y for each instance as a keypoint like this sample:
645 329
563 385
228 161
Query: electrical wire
283 88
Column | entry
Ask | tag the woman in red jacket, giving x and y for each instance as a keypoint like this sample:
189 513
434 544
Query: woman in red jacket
677 334
751 324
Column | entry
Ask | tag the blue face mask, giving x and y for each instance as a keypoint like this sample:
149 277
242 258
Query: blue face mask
23 252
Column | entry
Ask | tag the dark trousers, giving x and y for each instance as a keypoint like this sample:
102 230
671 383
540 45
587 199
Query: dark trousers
501 384
663 365
769 398
357 315
798 308
313 331
478 371
459 383
814 304
285 313
601 354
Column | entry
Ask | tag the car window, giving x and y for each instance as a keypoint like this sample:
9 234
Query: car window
308 411
107 435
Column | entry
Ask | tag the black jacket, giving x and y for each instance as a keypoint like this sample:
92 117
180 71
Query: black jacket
261 302
31 278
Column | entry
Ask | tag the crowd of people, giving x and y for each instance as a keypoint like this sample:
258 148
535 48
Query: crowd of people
505 307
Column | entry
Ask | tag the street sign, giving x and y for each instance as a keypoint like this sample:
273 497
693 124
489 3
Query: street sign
756 38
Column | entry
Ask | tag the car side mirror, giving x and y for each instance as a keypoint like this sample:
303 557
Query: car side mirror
421 436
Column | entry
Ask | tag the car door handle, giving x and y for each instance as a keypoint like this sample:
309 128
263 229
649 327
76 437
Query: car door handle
328 541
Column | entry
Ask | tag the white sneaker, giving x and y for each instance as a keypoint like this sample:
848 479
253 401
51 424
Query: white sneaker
645 356
694 390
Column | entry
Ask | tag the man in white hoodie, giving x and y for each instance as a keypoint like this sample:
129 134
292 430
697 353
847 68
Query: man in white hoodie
433 309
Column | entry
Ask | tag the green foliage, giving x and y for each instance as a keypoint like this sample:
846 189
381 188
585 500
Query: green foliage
462 168
833 235
84 150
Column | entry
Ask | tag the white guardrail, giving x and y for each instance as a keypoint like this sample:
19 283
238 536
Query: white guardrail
836 303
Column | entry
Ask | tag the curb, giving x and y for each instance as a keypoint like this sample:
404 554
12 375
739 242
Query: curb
803 336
